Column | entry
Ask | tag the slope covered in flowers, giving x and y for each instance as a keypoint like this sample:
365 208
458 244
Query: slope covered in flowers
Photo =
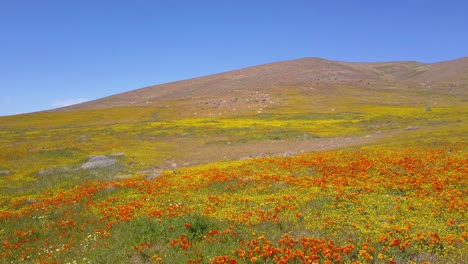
399 205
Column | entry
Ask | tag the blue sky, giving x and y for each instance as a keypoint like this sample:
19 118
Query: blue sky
55 53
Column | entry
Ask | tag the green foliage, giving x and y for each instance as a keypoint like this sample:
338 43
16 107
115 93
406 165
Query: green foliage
200 226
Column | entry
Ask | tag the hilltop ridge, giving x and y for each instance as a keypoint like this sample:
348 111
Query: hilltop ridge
300 74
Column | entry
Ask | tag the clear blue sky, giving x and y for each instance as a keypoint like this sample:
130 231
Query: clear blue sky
54 53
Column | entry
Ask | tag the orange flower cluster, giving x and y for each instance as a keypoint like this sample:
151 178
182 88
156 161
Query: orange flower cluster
142 245
181 241
289 250
223 260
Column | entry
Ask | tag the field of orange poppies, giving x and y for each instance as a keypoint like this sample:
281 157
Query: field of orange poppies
148 185
363 205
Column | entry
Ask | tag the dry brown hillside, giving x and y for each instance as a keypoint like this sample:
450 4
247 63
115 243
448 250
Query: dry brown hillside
255 84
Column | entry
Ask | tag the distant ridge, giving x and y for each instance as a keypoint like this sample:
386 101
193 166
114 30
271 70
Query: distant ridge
449 76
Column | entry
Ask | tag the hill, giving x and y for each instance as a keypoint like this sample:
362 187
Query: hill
273 109
300 161
320 75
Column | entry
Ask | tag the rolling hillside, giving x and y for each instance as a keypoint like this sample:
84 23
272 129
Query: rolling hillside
273 109
302 75
302 161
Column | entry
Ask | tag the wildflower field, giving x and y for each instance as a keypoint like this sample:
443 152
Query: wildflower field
145 185
372 206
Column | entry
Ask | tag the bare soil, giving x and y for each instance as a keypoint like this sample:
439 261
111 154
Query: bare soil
194 155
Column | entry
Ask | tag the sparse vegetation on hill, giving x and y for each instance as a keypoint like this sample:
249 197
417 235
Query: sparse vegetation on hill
163 174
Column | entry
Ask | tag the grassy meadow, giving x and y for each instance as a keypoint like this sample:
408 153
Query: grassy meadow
150 184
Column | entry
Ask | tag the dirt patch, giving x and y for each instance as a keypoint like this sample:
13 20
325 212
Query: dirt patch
98 162
190 154
4 173
412 128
